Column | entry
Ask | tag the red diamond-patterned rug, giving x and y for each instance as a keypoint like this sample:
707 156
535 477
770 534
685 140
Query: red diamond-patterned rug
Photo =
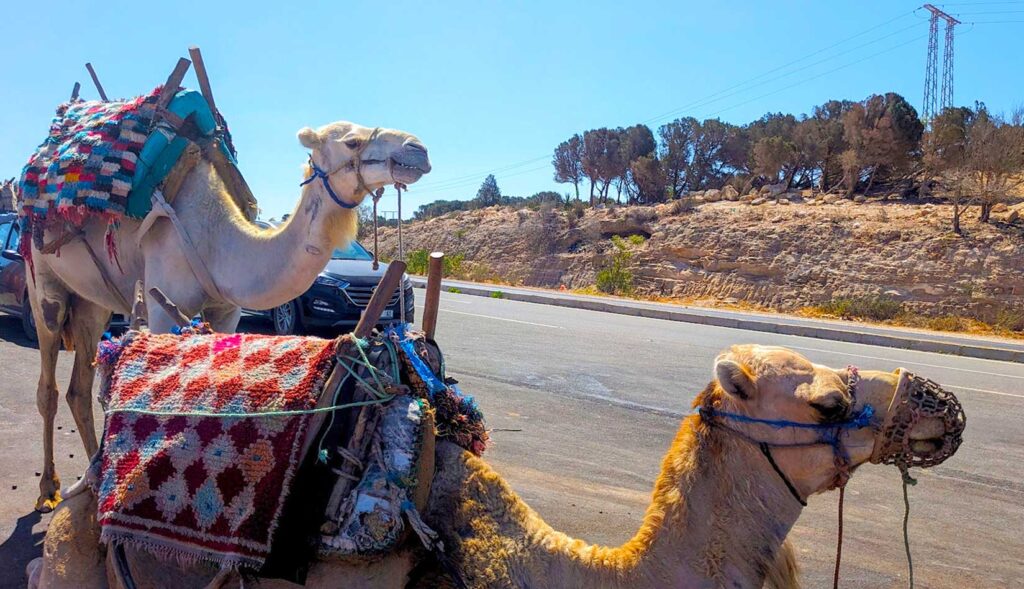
202 438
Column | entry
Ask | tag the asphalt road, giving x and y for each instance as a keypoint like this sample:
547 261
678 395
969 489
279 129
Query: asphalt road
584 404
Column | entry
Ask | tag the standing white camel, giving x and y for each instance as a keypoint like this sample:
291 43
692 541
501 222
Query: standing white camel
250 267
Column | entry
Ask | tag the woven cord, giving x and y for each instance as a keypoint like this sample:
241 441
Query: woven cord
401 256
907 481
839 541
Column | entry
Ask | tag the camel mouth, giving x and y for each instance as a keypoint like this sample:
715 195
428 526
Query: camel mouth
408 172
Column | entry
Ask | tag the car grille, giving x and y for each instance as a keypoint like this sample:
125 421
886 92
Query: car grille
360 295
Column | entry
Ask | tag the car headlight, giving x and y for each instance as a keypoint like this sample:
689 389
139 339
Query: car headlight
331 282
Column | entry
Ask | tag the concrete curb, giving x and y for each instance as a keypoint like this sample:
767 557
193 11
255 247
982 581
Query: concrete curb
690 316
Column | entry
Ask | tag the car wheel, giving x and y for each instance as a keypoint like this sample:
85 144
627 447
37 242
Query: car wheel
286 319
28 321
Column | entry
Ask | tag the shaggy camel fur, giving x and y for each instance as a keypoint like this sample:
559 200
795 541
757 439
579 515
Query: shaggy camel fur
719 515
252 267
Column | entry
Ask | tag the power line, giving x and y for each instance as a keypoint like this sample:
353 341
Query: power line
470 179
459 179
825 73
704 100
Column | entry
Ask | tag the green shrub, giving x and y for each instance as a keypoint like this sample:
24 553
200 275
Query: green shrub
497 294
616 278
874 308
418 261
454 290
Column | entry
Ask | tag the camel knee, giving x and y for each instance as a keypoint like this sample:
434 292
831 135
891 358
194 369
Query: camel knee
46 398
54 312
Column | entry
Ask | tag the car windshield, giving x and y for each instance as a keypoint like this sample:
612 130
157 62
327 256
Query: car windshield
354 251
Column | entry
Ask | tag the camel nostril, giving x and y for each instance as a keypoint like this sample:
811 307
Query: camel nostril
415 146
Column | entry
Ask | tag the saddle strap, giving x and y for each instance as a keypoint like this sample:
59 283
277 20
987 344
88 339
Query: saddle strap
161 208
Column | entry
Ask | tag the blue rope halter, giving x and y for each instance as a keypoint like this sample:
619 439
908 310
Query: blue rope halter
325 178
355 163
829 434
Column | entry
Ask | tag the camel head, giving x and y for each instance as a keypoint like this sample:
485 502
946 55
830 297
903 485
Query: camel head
357 160
910 422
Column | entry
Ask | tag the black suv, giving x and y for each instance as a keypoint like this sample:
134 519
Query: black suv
13 290
339 295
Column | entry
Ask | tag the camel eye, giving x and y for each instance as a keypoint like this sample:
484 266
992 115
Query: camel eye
352 143
831 409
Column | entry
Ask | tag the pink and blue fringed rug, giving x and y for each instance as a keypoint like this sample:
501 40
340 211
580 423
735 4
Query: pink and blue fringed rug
202 439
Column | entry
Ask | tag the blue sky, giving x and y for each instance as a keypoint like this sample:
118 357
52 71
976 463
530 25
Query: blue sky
488 86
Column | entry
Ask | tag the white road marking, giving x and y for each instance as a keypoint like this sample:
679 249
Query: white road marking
915 363
466 301
987 392
502 319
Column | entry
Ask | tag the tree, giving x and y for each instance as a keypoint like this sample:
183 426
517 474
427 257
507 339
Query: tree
489 193
636 142
885 133
825 130
595 145
945 157
650 179
717 149
775 155
978 158
995 160
568 162
676 151
603 159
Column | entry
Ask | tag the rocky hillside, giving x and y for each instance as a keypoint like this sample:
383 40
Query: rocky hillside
774 251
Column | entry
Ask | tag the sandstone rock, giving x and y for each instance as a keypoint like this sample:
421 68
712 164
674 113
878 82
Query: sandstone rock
1000 207
860 198
730 193
759 201
699 198
713 195
807 192
748 197
1013 216
776 189
782 201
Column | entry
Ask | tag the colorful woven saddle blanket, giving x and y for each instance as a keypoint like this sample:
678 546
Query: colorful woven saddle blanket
202 438
106 158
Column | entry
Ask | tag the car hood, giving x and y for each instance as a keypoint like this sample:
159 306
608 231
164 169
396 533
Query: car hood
355 271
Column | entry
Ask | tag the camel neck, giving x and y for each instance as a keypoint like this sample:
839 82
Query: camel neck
718 517
261 268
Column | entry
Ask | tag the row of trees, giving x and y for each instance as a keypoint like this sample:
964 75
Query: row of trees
488 195
975 158
840 144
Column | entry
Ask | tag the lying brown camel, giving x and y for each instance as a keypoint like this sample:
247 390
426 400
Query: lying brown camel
719 516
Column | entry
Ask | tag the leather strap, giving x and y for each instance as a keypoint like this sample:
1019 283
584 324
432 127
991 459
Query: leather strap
161 208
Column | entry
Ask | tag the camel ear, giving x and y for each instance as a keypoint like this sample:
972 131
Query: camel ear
309 138
735 379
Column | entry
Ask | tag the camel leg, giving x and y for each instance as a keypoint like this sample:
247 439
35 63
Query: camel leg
49 307
223 319
87 322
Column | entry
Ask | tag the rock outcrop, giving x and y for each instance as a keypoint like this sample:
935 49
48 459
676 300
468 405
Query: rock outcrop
782 258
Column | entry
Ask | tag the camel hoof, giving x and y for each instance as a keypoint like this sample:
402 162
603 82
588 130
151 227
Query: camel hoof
47 504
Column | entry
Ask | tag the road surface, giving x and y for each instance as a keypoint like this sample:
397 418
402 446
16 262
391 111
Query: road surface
584 404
